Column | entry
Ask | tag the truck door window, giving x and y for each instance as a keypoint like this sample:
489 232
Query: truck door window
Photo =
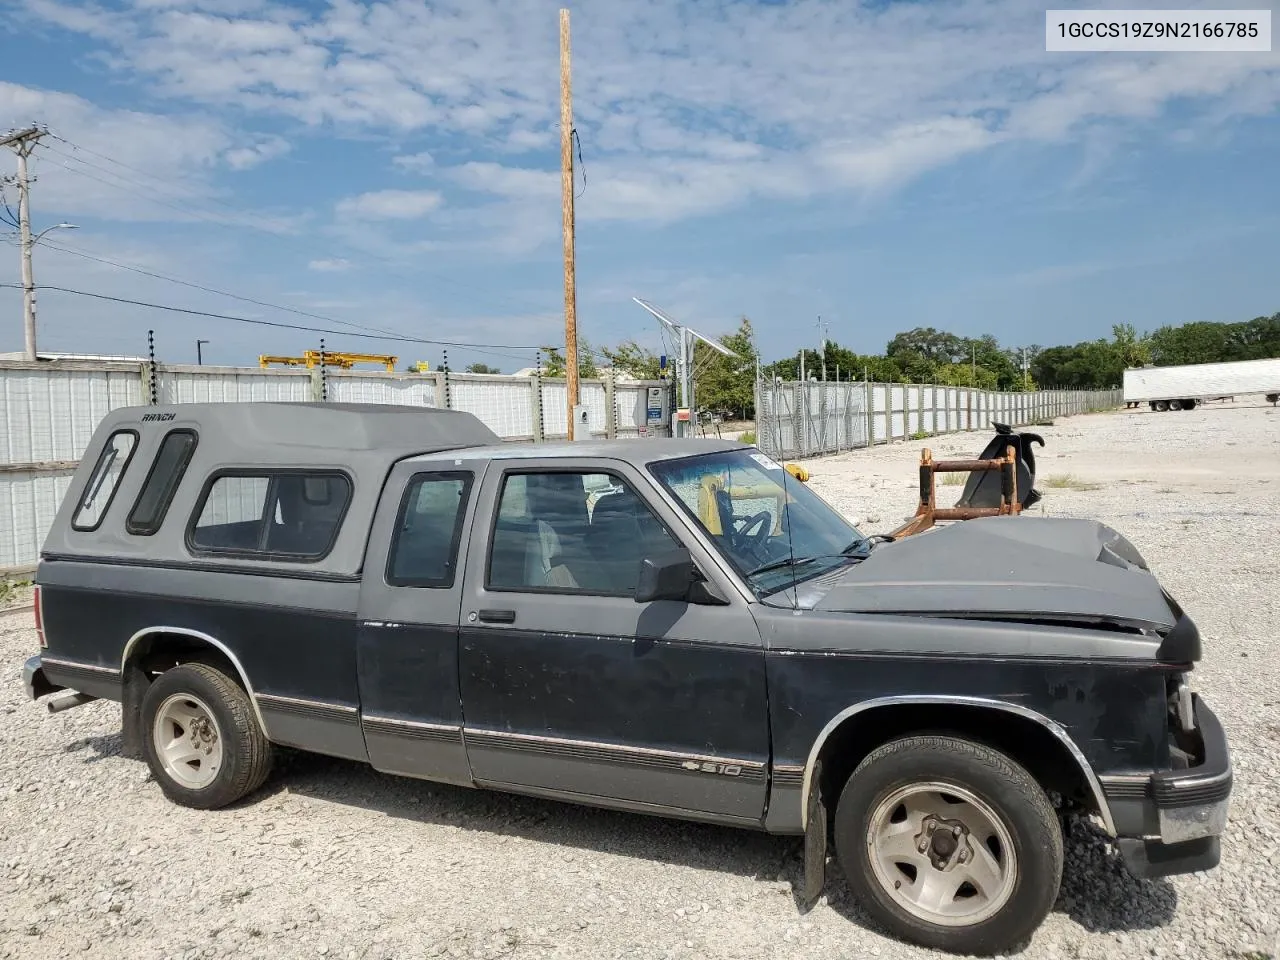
286 516
101 488
424 545
161 483
572 533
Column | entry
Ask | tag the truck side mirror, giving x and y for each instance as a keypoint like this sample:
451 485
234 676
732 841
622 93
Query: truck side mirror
666 576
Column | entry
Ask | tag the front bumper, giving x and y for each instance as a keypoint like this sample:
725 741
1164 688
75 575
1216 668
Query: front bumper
36 683
1178 814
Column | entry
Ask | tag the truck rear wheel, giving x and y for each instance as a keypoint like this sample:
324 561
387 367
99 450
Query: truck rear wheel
1175 404
1161 405
949 844
202 741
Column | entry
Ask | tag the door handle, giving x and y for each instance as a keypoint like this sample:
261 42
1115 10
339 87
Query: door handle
497 616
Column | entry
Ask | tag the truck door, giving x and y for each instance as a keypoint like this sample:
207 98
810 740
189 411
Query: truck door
570 688
407 649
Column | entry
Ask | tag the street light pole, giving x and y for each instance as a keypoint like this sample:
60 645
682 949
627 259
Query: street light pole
199 355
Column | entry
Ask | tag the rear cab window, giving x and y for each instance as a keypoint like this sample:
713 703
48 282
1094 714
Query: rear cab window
265 514
100 490
162 482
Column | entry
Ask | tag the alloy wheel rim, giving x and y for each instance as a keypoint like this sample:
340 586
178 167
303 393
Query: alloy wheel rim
188 741
942 853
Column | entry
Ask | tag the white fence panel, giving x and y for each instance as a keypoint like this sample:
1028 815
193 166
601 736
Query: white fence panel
230 385
555 415
47 416
632 402
50 414
504 406
28 503
898 422
411 390
591 394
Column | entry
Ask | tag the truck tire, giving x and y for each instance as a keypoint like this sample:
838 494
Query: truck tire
1161 405
1175 404
202 740
991 863
1190 404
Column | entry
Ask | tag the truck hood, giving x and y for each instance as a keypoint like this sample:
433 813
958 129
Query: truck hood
1008 568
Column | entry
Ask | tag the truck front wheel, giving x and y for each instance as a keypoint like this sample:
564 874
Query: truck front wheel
202 741
949 844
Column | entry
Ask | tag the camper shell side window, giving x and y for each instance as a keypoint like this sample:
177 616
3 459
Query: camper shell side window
101 487
162 482
270 514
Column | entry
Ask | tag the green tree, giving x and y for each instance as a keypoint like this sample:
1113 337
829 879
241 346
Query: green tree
553 365
727 382
640 362
481 368
1134 351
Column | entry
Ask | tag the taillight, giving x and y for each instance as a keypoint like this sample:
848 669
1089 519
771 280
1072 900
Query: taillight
38 609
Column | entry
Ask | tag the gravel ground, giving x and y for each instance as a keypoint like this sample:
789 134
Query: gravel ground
335 860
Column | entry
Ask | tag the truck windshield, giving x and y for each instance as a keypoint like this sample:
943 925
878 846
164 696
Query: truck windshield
770 526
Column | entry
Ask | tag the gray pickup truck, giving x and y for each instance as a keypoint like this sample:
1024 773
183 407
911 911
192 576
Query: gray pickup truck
669 627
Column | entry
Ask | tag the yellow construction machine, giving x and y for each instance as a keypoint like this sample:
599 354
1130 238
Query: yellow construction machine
344 361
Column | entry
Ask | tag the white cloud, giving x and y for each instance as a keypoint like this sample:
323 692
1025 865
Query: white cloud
178 154
242 158
414 162
390 205
329 265
684 107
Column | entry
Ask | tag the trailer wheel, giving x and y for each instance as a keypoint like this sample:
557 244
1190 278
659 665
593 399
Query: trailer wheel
1160 405
1272 398
1189 404
1175 404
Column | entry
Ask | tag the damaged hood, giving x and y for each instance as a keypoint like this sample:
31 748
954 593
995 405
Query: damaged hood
1018 568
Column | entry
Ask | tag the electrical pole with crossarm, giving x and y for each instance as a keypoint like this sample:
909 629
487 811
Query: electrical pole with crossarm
23 142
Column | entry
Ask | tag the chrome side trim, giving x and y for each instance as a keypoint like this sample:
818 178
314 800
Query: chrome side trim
787 775
323 706
213 642
411 729
1053 727
78 665
412 724
612 752
613 803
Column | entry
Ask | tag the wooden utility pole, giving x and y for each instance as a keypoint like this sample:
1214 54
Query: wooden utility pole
566 214
23 142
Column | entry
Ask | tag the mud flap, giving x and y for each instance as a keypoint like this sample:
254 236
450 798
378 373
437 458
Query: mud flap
135 685
815 842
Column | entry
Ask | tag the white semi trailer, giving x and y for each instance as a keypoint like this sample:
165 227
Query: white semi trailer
1185 387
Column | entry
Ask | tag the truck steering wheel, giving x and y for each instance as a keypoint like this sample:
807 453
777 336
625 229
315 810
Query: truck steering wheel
753 532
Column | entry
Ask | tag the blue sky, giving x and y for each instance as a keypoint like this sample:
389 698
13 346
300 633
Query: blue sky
394 165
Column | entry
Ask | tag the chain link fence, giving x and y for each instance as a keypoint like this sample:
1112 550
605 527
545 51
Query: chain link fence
809 419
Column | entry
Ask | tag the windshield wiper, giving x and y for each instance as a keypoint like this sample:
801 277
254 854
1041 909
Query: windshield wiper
867 542
779 564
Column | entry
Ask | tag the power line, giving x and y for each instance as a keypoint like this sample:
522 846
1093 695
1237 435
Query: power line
142 194
154 178
291 326
247 221
222 293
